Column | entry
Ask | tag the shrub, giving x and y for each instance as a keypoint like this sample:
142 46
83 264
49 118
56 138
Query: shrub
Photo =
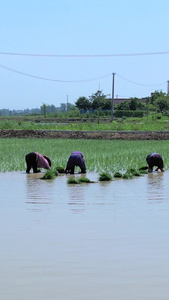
128 113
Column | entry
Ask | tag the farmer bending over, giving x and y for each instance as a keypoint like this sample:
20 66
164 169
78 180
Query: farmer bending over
35 160
155 160
76 159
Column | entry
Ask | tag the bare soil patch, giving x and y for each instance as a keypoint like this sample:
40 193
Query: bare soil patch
68 134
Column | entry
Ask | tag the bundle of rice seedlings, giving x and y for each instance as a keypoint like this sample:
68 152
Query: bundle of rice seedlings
134 172
72 181
56 172
104 176
117 175
83 180
127 175
60 170
50 174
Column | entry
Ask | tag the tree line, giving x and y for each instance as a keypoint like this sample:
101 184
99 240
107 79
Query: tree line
158 101
44 109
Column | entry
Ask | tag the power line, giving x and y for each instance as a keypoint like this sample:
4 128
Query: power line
73 81
84 55
49 79
139 83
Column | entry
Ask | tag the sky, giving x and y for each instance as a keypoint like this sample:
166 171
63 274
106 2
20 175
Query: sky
59 50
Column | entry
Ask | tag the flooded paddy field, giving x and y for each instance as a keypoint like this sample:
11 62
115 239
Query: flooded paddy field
104 240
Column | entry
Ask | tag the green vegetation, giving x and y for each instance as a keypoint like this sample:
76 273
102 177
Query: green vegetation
98 105
111 156
127 175
60 170
72 181
79 180
130 173
50 174
118 175
84 180
105 176
151 123
124 159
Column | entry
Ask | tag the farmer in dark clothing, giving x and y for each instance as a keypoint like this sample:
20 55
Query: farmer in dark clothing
76 159
36 160
155 160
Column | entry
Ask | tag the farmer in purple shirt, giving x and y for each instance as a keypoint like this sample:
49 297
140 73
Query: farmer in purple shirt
76 159
155 160
35 160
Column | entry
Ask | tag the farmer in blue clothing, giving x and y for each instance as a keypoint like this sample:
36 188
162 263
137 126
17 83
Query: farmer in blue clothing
155 160
76 159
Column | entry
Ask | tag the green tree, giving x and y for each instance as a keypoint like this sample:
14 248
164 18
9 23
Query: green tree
141 105
156 95
147 105
162 103
62 107
83 103
53 109
44 109
133 104
99 100
123 105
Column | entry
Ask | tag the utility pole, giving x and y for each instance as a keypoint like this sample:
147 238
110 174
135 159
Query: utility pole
112 101
168 87
67 104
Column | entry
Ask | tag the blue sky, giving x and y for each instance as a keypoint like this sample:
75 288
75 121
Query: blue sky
58 50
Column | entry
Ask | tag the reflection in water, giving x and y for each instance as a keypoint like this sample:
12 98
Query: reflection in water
38 195
155 186
76 195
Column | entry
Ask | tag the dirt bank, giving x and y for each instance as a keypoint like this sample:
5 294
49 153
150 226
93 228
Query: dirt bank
107 135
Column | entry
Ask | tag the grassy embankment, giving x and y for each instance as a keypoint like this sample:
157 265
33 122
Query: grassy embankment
108 156
152 123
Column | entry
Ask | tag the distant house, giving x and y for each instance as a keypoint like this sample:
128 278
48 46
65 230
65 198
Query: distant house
119 100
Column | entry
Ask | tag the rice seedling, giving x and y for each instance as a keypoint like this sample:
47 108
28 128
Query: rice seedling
130 173
111 156
117 175
104 176
127 175
135 172
60 170
50 174
83 180
56 172
72 181
79 180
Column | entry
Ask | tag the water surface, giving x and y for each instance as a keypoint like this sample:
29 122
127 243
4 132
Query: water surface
89 241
